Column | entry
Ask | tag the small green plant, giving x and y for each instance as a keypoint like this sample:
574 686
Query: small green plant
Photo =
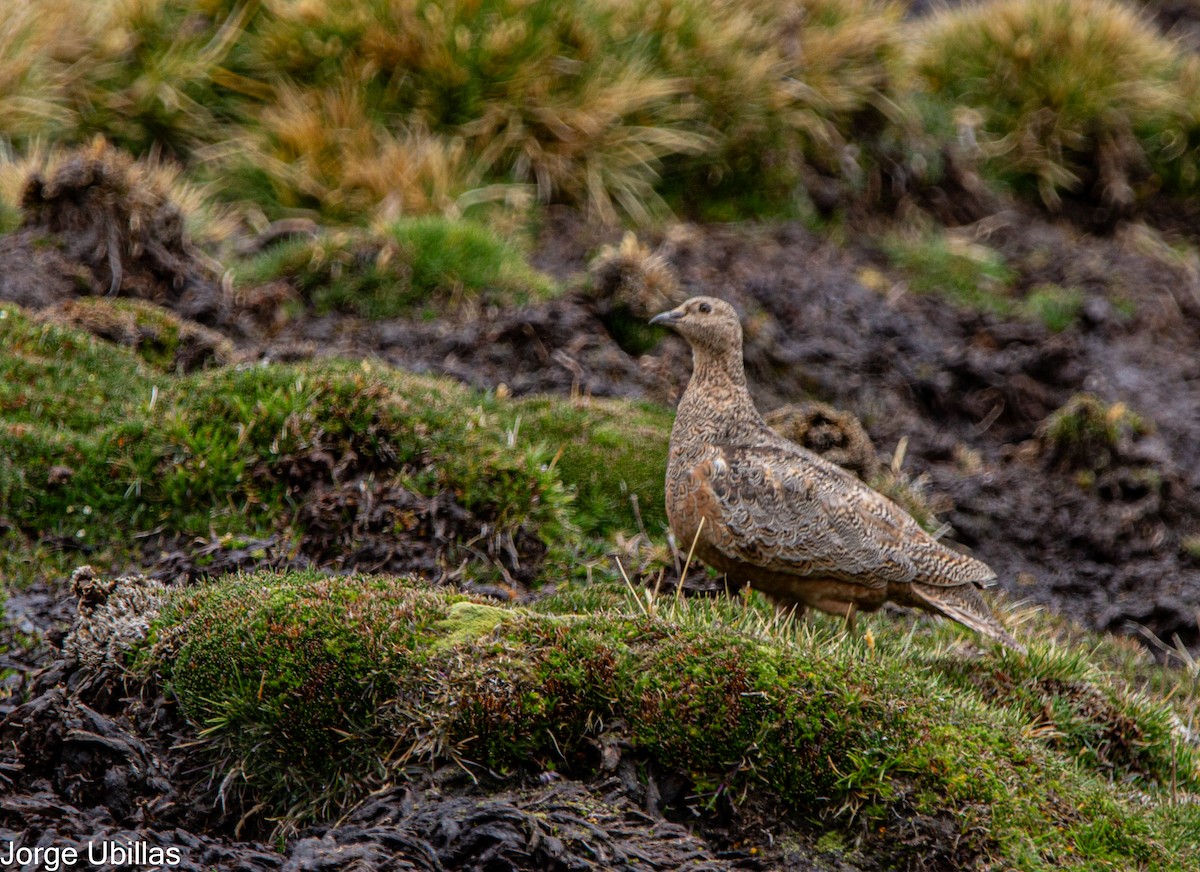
1087 434
406 265
1057 308
967 273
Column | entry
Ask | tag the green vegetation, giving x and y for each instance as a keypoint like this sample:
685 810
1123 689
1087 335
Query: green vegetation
967 273
1058 308
158 336
299 680
420 133
1079 96
1088 435
383 108
304 105
613 452
96 444
974 276
409 264
235 451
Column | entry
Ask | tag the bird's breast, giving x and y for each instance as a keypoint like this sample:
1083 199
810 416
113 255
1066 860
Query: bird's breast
695 502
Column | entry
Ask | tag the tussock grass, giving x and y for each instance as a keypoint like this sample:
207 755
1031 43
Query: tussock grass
405 107
135 186
1075 96
394 108
140 72
299 681
786 90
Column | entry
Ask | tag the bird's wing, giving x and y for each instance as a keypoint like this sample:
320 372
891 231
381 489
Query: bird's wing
787 510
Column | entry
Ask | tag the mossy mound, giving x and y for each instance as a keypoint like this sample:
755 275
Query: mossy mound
299 681
96 446
343 461
612 452
162 339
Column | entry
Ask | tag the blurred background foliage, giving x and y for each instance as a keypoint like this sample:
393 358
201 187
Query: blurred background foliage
354 110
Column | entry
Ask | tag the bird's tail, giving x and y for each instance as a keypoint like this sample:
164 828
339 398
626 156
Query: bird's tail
963 603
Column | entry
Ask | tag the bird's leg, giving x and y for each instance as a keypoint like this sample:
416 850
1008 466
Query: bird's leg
852 618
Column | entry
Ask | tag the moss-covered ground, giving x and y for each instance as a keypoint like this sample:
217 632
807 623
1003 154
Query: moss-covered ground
98 446
1047 762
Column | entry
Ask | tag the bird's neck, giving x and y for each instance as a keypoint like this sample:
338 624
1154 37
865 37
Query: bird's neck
716 408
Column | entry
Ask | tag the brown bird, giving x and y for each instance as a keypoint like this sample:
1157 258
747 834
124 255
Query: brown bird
772 514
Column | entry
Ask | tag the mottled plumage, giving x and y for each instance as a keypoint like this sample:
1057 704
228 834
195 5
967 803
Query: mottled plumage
770 513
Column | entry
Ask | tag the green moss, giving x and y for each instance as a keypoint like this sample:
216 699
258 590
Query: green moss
410 263
379 674
95 445
466 621
613 453
92 440
970 275
1057 308
1086 713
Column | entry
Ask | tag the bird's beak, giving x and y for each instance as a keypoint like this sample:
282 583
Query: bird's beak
666 319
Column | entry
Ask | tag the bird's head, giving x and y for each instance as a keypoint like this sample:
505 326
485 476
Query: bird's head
708 324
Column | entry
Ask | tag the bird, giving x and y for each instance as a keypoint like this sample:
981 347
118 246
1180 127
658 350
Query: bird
772 514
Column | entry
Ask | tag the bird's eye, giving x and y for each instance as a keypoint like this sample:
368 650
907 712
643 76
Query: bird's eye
705 308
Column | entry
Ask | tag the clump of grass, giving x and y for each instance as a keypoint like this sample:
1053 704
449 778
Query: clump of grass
402 266
280 671
141 73
1087 434
1087 713
328 150
1072 96
1190 545
145 198
631 284
788 90
1056 307
974 276
530 89
969 274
